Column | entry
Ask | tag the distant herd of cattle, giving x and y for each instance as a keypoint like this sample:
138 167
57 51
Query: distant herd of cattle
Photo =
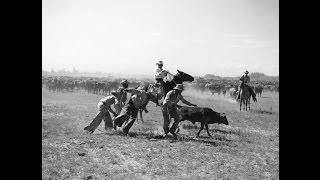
224 86
105 86
90 85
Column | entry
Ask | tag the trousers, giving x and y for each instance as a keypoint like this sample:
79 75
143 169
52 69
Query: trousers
127 117
103 114
172 111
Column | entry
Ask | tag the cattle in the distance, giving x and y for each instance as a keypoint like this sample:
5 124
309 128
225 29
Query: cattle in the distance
233 93
258 90
103 86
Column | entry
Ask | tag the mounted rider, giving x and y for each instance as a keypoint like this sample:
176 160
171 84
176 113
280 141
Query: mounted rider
159 75
245 80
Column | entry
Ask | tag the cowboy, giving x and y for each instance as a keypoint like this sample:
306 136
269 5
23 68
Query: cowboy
245 80
160 74
104 107
139 99
169 108
122 96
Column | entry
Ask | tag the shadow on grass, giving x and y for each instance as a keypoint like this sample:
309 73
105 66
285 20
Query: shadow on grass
262 111
215 140
187 126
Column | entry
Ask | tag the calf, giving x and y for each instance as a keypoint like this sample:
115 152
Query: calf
203 115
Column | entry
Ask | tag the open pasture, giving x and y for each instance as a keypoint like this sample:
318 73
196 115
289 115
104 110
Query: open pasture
246 149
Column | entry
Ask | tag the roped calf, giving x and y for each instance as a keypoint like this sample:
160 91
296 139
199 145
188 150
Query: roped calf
204 115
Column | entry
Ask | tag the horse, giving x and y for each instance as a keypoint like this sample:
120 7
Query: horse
245 97
179 78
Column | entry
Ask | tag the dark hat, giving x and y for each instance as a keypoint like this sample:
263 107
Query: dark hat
159 63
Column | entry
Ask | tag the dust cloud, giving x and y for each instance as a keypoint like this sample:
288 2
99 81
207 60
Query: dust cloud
206 95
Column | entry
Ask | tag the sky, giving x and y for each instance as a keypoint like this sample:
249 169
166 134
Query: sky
221 37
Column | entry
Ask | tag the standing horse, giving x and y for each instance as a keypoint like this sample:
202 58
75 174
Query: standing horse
245 97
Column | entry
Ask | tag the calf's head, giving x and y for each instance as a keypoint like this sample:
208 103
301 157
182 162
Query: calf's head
223 119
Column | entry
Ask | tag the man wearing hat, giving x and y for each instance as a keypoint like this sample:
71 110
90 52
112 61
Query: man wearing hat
122 96
245 80
160 74
129 113
169 108
104 107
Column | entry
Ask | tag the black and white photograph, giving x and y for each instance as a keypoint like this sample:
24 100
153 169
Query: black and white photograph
160 89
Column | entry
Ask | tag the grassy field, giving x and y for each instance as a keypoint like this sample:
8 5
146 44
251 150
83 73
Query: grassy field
246 149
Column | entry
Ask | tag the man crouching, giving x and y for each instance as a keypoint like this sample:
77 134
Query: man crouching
104 109
129 112
169 108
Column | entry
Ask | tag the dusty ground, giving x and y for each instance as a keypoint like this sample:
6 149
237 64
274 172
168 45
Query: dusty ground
246 149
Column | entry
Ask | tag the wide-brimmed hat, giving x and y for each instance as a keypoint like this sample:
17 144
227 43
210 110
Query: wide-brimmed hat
124 82
179 87
246 72
159 62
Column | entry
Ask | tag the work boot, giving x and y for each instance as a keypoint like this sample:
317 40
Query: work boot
173 133
114 126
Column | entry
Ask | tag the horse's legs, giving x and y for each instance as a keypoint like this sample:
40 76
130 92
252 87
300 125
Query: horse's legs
240 104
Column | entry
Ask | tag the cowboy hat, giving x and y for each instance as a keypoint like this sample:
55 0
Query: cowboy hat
179 87
160 62
246 72
124 82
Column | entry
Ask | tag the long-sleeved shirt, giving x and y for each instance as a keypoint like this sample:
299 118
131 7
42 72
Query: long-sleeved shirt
160 73
108 101
173 97
245 79
139 97
122 94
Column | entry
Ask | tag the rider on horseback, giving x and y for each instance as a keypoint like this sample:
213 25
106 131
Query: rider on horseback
159 75
245 80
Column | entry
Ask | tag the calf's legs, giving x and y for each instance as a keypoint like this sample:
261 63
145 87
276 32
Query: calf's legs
208 130
202 125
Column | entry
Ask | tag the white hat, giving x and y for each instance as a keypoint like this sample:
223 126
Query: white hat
160 62
124 82
179 87
246 72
